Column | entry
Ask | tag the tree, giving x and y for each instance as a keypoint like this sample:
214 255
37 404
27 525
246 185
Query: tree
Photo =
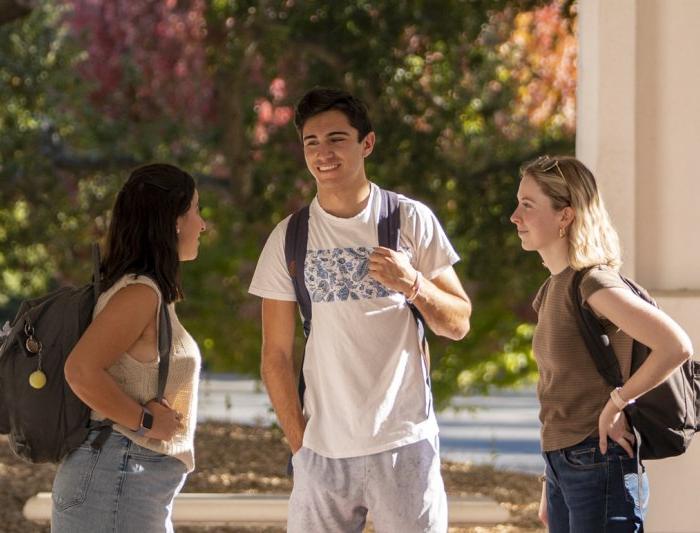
14 9
459 97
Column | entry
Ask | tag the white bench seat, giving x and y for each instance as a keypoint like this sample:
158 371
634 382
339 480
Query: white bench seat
257 509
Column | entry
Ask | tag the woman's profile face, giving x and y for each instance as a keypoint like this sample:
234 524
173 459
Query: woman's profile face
189 227
537 222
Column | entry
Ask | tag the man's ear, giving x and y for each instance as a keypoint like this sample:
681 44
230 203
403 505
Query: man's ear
368 144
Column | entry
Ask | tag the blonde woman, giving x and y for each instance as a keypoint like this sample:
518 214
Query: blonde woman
591 481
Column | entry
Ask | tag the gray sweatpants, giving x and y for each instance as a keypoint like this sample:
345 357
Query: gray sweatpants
401 488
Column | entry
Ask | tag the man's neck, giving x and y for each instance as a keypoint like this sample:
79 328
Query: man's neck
346 202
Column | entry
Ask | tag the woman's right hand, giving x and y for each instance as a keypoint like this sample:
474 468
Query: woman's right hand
166 421
542 512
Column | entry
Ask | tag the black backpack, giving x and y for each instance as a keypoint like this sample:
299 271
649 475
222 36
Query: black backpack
665 418
46 423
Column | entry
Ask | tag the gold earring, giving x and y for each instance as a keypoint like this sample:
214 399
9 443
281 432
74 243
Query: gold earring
561 233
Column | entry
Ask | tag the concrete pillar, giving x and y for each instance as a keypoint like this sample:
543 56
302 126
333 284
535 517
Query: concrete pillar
639 131
606 125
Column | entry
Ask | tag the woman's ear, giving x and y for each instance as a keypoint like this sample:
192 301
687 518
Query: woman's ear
567 215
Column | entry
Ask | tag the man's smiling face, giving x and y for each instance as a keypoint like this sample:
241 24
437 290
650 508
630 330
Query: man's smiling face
334 155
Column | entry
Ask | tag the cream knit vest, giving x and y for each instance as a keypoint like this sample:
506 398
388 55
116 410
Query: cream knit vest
140 380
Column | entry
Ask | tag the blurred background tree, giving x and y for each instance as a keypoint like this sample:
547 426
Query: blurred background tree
460 93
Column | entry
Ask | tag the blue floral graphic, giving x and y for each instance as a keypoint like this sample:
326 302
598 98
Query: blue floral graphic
341 274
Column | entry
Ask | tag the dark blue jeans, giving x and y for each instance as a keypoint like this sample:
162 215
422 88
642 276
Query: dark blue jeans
588 492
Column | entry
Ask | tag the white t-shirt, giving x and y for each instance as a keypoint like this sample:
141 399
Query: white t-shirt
365 376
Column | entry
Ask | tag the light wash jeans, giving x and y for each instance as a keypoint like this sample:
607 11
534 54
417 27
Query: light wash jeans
588 492
122 487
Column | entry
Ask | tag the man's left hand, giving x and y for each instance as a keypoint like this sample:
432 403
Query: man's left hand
392 269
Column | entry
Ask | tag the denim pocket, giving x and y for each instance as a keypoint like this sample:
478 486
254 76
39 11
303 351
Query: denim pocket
583 458
73 478
140 452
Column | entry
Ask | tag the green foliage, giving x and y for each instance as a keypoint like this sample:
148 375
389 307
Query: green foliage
441 95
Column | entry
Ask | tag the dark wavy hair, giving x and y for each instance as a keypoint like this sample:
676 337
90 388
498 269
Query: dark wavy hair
143 234
322 99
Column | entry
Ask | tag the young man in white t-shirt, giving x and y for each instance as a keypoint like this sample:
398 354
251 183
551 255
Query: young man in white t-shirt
366 439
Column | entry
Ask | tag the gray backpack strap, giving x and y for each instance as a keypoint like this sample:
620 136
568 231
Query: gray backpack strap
165 341
389 235
295 243
389 223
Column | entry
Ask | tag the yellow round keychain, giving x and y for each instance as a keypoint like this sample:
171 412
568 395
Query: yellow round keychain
37 379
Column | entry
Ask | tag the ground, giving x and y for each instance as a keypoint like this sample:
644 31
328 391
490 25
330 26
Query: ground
235 458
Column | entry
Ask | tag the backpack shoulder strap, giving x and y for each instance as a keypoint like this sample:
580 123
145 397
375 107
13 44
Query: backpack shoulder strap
640 351
389 223
295 242
597 342
640 291
389 236
165 342
164 329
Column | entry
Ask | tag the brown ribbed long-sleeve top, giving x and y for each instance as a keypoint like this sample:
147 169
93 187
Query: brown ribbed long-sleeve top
570 390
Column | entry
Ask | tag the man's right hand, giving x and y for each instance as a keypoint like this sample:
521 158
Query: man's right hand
295 447
166 421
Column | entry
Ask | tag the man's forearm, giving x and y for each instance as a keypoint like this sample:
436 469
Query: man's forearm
447 315
280 381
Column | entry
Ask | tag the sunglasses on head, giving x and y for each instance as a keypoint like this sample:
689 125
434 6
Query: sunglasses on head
546 163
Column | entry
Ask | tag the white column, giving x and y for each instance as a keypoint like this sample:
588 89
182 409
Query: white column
605 129
639 131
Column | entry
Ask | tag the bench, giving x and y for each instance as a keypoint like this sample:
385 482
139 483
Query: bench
208 509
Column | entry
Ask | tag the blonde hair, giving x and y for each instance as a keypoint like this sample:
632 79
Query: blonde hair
567 182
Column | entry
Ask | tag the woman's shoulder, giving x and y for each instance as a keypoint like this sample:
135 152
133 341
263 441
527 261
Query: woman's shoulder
142 280
600 277
131 289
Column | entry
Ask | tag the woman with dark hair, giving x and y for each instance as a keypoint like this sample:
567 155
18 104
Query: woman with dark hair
129 483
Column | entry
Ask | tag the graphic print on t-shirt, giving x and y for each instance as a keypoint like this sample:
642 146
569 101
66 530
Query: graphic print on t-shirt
341 274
